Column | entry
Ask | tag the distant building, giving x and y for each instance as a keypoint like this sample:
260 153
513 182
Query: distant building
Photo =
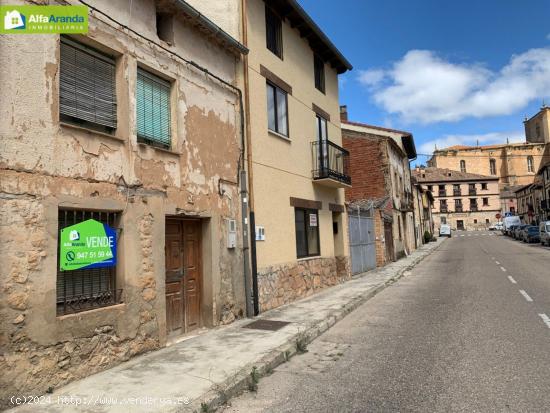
544 174
537 128
423 205
528 201
466 201
379 165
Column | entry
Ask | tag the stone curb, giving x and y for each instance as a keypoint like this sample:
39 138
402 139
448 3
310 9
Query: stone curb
243 380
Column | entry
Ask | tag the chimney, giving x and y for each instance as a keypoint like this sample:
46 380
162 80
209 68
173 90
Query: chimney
343 113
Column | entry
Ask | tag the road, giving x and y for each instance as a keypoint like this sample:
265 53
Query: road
468 330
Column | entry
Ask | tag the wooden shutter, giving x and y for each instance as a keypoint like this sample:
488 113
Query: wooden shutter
87 84
153 109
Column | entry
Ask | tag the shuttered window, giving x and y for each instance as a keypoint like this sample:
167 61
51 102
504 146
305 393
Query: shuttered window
86 289
153 109
87 93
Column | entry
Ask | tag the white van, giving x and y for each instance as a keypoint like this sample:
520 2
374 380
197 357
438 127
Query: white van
445 230
545 233
509 221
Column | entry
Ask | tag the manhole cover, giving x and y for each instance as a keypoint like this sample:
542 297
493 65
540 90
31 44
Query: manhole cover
271 325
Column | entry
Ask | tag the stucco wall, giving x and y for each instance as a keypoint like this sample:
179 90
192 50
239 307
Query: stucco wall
282 168
46 166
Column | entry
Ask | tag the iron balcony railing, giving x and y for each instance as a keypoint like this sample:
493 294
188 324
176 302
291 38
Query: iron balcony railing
474 208
457 192
330 161
444 209
458 208
442 192
472 191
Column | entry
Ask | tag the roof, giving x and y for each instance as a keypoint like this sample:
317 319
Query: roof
407 138
204 24
432 174
318 41
473 148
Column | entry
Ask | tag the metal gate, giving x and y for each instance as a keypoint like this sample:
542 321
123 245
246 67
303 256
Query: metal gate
362 240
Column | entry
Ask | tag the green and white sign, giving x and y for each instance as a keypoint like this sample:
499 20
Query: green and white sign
89 244
43 19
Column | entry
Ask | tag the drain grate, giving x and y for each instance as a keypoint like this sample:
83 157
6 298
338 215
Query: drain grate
270 325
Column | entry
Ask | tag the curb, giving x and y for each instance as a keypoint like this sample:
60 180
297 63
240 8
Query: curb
245 379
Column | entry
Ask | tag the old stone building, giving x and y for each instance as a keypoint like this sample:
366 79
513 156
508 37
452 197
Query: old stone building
125 128
512 163
544 179
537 128
423 216
529 199
379 165
464 200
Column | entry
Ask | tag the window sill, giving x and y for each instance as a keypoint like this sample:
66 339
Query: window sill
278 135
91 131
156 148
114 307
313 257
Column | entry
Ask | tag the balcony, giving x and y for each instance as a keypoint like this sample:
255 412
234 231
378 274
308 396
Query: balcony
472 191
457 192
442 192
458 208
474 208
330 164
444 209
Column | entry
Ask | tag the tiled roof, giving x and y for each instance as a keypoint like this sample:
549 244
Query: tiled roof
496 146
366 125
431 174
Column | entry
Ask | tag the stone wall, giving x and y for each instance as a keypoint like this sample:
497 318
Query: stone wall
285 283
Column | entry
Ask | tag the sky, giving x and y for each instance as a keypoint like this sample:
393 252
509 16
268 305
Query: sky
450 72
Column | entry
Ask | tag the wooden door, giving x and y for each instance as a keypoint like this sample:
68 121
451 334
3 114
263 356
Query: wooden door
388 236
183 276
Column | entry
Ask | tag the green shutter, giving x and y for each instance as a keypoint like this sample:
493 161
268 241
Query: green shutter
153 109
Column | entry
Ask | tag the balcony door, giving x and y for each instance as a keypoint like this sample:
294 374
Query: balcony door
321 135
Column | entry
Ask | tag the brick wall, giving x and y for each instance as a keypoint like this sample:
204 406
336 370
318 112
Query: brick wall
368 166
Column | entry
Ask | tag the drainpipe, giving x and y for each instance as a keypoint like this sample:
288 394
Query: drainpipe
248 154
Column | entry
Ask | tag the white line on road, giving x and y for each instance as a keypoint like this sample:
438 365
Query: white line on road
497 263
512 280
546 319
526 296
503 269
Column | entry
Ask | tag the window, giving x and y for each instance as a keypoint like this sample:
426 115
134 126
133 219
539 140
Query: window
319 73
486 220
530 167
485 201
463 166
321 130
443 220
153 109
165 27
277 110
483 186
307 232
430 188
86 289
87 94
492 167
273 32
475 221
399 226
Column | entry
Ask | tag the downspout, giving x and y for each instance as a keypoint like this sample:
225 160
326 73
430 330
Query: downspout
248 154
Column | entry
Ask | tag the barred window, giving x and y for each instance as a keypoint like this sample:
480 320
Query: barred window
86 289
87 95
153 109
273 32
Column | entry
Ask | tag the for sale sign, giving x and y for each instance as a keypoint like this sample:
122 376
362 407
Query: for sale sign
89 244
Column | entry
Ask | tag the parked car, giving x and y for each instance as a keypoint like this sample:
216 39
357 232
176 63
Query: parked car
544 229
517 231
531 234
445 230
497 226
510 230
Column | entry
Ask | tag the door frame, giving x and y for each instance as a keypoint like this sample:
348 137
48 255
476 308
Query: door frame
199 223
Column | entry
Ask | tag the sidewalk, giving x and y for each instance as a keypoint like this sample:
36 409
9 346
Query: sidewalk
202 372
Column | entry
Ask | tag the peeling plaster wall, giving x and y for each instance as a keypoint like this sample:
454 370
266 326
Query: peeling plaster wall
45 165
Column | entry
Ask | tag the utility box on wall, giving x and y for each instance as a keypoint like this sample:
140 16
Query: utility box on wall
231 233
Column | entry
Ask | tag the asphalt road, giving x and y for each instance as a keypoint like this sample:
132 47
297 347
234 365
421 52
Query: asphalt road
467 331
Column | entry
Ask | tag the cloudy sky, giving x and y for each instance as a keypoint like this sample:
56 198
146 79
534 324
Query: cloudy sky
450 72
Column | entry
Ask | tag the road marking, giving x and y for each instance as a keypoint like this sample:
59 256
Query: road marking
497 263
462 235
526 296
512 280
546 319
503 269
